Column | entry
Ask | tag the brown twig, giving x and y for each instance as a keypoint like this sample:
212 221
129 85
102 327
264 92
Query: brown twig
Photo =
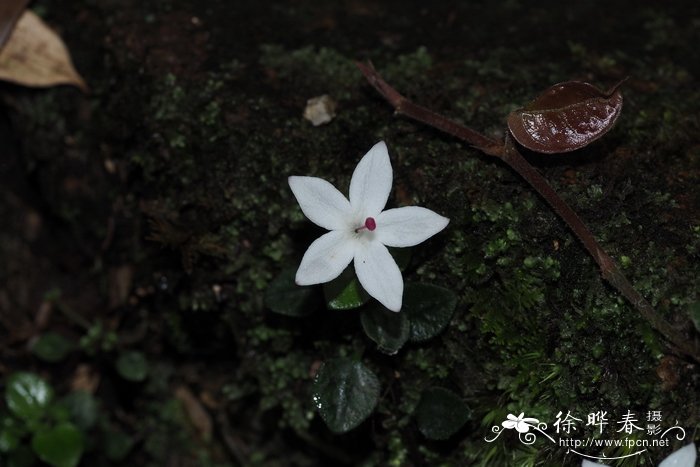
509 154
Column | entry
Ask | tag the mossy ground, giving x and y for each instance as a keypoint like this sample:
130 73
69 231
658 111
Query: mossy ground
175 167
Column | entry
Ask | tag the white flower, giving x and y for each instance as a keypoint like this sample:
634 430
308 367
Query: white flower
520 423
684 457
360 229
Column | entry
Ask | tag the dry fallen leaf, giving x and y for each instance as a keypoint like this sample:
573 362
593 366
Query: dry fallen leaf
35 56
10 11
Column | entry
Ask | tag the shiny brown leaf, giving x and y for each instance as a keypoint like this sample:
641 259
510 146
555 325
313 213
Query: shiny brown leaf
35 56
565 117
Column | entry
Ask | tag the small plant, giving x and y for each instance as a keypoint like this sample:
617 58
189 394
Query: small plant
35 424
38 425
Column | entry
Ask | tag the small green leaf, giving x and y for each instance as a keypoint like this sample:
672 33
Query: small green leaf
10 434
27 395
345 292
441 413
283 296
60 446
429 309
8 440
82 407
388 329
132 366
52 347
345 393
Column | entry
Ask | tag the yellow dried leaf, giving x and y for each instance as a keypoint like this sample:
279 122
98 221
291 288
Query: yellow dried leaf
35 56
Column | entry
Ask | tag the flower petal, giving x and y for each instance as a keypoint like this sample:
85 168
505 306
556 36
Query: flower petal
408 226
379 275
321 202
509 424
684 457
370 184
326 258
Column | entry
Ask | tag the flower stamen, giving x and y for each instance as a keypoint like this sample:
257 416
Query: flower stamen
370 224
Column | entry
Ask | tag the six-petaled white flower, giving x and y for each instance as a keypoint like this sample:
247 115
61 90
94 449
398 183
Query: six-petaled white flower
360 230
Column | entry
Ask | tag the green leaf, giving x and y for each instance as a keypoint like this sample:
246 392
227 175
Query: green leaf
345 393
52 347
117 445
345 292
10 434
82 407
27 395
429 309
388 329
285 297
60 446
441 413
132 366
8 440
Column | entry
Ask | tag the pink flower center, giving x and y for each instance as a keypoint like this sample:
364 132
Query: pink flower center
370 224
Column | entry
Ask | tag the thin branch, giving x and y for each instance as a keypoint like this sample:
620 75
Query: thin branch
509 154
416 112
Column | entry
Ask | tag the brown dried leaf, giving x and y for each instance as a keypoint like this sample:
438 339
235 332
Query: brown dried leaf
10 11
35 56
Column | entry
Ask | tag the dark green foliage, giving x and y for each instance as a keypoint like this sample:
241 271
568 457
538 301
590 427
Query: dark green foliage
345 292
345 393
132 366
440 413
59 446
52 347
83 409
37 420
388 329
283 296
429 309
27 395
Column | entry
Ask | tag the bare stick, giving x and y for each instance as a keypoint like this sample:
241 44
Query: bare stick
509 154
